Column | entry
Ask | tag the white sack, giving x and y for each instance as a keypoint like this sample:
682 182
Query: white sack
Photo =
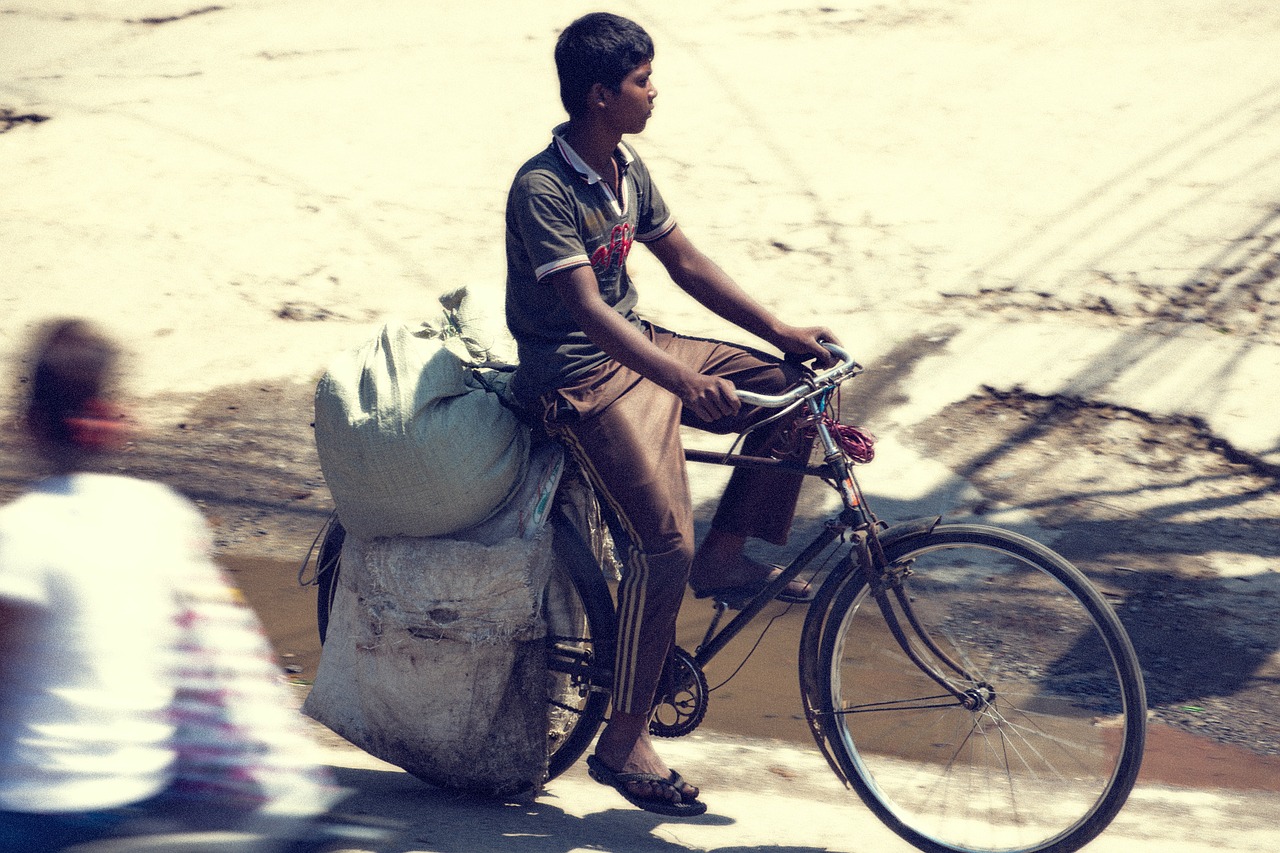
410 442
435 659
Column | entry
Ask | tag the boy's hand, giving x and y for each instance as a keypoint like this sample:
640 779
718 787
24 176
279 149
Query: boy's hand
807 342
709 397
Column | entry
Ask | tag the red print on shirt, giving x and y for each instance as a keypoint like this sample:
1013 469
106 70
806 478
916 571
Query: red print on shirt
613 255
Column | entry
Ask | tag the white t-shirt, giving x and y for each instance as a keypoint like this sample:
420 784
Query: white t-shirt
97 556
147 671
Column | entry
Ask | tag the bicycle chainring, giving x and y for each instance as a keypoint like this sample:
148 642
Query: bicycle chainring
682 697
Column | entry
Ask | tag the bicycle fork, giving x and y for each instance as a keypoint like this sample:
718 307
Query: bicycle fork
886 582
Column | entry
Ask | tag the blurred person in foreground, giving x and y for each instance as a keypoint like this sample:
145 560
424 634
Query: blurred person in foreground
138 694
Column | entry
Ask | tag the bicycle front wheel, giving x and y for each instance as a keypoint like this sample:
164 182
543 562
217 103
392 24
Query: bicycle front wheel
1016 720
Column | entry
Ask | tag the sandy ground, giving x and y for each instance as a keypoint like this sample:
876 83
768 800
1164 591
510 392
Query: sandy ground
1052 237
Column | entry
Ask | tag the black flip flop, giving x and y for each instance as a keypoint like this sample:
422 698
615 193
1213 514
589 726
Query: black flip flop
742 593
687 807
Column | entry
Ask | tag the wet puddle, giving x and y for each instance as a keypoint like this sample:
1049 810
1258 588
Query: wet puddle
754 682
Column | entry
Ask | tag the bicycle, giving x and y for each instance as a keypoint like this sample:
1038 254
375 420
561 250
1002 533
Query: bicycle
973 687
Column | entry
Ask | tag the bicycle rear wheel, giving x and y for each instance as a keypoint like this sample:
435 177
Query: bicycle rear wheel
581 632
1043 744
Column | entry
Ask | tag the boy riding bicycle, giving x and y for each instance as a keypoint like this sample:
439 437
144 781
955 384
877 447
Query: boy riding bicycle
616 389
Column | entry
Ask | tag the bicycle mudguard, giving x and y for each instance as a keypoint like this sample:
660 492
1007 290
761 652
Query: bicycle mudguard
576 556
907 529
816 620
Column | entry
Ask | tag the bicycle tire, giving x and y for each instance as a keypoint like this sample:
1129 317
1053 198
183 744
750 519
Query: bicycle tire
1052 748
581 637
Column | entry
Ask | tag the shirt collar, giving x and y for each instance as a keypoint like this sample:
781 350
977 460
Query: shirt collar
571 157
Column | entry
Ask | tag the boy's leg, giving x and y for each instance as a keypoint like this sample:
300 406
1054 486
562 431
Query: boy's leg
629 447
756 502
626 434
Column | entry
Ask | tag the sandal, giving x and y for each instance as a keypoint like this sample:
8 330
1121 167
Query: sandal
682 806
796 592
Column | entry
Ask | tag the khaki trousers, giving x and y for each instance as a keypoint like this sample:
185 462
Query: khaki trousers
624 431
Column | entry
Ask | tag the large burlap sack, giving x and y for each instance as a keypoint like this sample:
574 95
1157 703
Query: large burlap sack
435 659
411 442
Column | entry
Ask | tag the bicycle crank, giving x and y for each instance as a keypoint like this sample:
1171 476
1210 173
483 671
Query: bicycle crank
682 697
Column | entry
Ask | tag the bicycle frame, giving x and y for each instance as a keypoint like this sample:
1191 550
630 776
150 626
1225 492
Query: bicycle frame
864 561
835 468
865 555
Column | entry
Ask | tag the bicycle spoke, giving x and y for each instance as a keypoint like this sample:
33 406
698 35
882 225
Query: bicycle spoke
1014 760
941 701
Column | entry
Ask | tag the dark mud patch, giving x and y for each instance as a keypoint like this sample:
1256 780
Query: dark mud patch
1181 530
9 119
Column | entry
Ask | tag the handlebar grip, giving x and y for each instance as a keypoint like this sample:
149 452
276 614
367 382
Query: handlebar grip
846 367
751 398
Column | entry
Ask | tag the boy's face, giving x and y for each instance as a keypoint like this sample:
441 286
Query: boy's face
632 104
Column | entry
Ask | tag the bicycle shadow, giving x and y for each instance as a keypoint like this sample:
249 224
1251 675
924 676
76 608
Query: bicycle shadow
1194 587
1202 638
449 821
1197 637
1176 526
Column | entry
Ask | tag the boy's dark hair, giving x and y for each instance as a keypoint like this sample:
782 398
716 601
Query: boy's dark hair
598 48
74 365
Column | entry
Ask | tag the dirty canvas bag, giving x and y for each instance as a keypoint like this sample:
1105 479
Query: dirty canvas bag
411 442
435 658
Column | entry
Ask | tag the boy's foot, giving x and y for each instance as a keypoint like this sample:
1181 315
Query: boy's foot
742 581
665 795
626 760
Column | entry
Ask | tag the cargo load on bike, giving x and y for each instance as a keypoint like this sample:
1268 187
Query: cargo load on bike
433 628
971 686
412 437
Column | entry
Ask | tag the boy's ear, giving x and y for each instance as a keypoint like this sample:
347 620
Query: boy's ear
597 96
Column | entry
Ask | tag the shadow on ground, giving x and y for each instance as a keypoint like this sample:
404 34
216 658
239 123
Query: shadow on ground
453 822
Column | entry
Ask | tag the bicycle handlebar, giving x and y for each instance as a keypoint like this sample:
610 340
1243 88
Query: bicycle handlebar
832 376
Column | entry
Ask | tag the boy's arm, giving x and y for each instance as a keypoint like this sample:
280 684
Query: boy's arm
708 397
701 278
